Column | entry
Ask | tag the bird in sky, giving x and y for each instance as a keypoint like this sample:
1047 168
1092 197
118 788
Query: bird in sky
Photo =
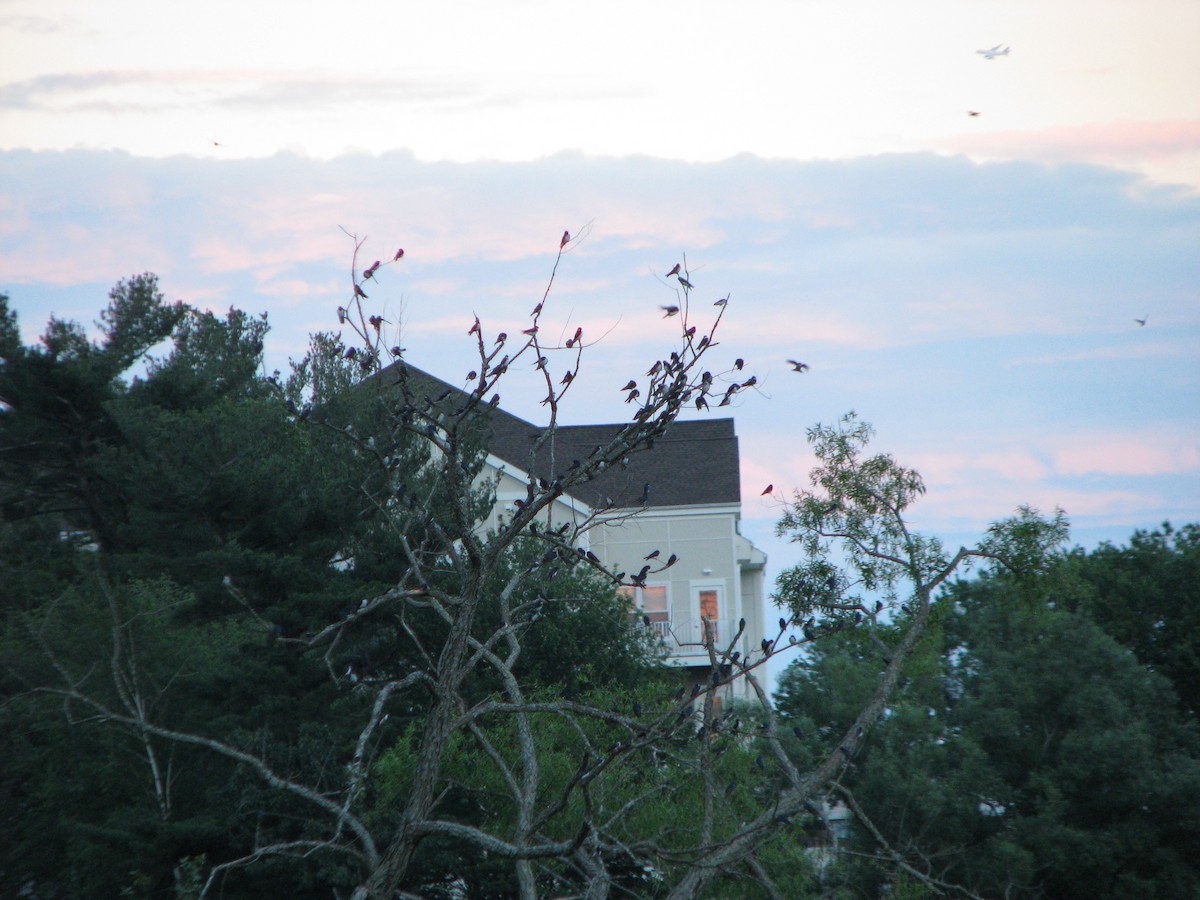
993 52
1142 321
798 366
669 311
972 113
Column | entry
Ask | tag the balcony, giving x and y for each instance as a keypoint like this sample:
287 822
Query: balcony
684 638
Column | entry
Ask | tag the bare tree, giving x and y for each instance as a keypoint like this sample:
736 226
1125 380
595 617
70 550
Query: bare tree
603 822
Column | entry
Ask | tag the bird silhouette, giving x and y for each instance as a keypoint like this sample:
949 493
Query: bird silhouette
798 366
1142 321
738 363
653 554
399 253
669 311
674 270
972 113
767 490
721 302
671 560
566 237
687 285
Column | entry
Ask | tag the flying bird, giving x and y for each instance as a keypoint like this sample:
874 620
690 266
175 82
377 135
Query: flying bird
798 366
669 311
993 52
1142 321
972 113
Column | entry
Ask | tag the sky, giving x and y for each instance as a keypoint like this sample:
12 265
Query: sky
968 284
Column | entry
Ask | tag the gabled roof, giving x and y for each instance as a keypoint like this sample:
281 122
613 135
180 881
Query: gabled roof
695 462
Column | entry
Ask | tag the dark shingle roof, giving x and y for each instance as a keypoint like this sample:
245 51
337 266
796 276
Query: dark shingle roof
695 462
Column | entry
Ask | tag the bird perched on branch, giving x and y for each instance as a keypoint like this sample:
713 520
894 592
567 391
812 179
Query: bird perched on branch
674 270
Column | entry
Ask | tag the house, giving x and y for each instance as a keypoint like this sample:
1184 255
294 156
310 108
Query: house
681 498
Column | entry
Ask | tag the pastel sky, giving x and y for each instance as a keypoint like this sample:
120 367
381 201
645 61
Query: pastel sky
969 284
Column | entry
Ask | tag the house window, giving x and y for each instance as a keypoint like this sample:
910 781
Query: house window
651 603
708 604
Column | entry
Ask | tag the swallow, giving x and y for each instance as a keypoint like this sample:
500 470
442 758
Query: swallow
474 328
767 490
738 363
530 331
701 403
501 337
671 560
376 321
653 554
669 311
566 379
359 292
1142 321
721 302
369 272
341 313
750 382
566 237
687 285
972 113
654 369
674 270
399 253
630 386
798 366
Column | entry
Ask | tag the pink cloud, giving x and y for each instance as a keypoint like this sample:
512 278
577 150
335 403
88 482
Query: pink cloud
1107 143
1119 454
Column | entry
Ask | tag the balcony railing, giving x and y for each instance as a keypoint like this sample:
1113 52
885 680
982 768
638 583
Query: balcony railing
686 637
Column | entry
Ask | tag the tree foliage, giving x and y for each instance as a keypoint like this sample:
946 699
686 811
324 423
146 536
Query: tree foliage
1027 755
267 613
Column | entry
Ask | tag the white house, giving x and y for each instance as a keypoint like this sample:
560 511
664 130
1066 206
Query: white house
691 510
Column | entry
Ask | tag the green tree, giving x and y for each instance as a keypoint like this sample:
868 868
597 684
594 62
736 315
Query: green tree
1037 758
1147 596
331 677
